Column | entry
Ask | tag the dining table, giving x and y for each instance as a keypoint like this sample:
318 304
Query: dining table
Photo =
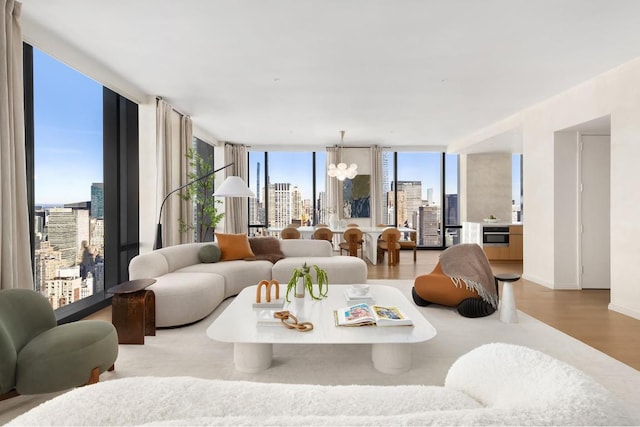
371 234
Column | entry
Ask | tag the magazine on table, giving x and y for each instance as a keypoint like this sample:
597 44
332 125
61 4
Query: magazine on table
364 314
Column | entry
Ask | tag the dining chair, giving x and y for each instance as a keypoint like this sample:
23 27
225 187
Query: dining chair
353 241
388 242
410 243
323 233
290 233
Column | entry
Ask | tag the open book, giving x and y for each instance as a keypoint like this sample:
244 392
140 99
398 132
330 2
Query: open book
364 314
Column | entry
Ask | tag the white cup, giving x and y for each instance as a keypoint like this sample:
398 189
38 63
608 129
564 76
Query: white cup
360 289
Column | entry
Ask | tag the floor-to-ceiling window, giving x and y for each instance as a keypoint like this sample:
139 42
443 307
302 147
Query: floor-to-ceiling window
289 188
417 195
69 252
84 216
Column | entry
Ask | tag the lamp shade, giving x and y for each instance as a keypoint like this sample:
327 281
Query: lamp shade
233 186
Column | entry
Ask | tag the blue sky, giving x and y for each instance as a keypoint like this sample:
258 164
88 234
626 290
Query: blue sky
68 132
68 143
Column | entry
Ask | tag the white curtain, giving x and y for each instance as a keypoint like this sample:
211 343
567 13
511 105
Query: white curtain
333 185
377 196
15 247
173 139
236 212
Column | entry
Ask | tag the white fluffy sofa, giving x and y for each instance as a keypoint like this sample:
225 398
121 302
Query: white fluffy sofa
495 384
187 290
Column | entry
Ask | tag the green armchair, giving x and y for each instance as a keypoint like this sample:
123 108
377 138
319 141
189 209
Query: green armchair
38 356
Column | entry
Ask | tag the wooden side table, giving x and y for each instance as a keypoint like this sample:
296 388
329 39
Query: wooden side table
508 313
133 311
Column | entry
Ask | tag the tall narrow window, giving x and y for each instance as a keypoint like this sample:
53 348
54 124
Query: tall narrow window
451 200
257 184
419 195
290 189
516 178
69 253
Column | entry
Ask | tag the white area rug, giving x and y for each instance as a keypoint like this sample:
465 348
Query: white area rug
186 351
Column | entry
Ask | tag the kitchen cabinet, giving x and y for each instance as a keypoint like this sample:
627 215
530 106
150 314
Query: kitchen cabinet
472 232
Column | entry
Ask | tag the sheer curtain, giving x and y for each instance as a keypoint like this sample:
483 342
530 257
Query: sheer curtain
15 246
174 136
377 198
236 212
334 187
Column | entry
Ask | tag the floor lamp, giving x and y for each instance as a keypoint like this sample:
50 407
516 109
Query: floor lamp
232 186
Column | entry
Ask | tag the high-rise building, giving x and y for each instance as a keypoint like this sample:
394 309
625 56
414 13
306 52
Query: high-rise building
451 209
97 200
285 204
62 233
428 226
386 187
413 194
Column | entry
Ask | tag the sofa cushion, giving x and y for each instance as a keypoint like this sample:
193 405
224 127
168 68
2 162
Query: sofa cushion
234 246
183 298
303 248
265 248
237 274
209 253
340 269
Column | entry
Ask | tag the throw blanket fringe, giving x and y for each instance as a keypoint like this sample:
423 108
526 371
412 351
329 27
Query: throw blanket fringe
491 298
467 263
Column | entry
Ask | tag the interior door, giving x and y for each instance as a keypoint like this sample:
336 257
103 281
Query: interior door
595 236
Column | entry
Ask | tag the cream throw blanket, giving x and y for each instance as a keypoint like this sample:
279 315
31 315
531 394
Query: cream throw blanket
467 263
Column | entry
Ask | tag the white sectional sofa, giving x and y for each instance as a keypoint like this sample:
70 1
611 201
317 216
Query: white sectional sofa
495 384
187 290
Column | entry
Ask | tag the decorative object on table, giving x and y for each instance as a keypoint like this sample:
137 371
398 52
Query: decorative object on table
356 294
341 171
301 280
491 219
268 285
294 324
334 221
365 315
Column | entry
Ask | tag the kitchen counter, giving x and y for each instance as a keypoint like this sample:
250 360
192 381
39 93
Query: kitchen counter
472 232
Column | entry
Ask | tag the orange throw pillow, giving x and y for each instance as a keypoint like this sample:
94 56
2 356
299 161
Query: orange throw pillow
234 246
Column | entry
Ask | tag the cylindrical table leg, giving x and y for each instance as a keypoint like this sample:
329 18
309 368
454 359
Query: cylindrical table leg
508 313
391 358
252 358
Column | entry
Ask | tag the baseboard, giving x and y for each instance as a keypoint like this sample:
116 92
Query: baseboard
624 310
554 286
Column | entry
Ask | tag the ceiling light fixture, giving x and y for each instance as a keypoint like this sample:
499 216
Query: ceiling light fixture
341 171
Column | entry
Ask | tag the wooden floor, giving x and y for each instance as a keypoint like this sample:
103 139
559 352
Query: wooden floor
582 314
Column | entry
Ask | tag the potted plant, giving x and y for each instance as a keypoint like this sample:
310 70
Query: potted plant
301 280
198 194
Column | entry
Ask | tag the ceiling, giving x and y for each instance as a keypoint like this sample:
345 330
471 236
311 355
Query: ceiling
291 73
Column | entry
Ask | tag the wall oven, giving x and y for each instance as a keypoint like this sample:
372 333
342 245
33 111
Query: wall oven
495 236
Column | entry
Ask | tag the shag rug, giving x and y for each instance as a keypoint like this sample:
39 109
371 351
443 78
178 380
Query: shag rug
187 351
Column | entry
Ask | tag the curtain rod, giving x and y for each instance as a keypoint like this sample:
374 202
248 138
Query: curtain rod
159 98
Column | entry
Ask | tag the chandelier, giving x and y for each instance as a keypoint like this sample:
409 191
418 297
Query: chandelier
342 171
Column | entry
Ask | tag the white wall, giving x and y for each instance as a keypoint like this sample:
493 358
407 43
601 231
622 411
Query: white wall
488 186
565 201
617 93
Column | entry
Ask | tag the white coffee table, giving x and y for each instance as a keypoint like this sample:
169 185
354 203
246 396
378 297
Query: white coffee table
253 343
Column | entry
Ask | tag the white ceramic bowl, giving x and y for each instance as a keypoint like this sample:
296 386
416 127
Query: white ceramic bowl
360 289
